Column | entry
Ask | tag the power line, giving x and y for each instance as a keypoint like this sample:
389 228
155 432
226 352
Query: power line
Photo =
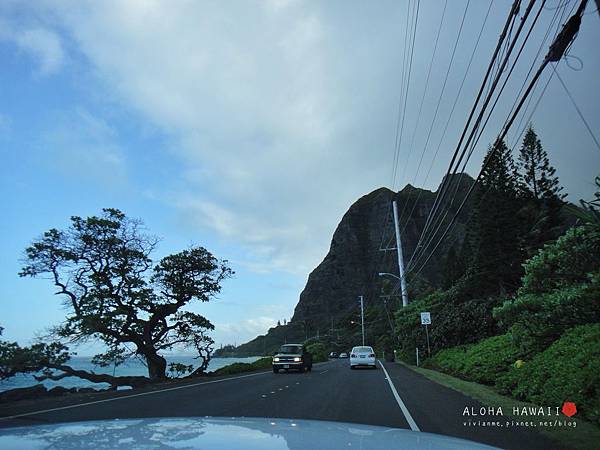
441 191
437 38
555 53
577 108
447 180
414 32
436 113
458 92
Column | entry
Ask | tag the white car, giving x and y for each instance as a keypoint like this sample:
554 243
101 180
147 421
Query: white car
362 356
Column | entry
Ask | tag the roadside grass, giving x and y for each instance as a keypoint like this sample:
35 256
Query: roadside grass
585 436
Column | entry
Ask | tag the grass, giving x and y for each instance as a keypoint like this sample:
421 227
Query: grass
583 437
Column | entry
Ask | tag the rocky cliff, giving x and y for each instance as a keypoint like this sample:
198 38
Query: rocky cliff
355 258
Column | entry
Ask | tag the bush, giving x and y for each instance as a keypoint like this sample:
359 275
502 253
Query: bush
561 289
318 350
231 369
568 261
483 362
568 370
537 320
456 320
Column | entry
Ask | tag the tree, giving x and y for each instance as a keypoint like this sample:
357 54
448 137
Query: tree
537 176
101 267
541 190
496 229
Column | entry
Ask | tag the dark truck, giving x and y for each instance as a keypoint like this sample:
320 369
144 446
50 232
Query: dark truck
292 357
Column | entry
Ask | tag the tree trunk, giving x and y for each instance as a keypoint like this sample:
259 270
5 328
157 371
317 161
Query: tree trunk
157 365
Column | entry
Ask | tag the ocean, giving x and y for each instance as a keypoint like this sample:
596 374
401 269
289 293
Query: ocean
132 367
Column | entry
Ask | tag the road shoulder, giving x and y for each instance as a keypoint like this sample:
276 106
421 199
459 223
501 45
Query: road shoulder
439 409
585 436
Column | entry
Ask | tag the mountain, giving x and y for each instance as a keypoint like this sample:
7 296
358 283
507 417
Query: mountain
354 260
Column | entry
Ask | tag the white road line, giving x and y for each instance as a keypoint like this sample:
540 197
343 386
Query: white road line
409 419
131 396
324 371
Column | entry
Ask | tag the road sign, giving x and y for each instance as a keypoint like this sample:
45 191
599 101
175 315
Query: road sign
425 318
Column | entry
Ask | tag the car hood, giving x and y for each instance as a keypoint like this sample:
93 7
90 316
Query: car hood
223 433
287 355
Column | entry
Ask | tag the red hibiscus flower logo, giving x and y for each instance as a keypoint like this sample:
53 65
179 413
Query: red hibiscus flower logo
569 409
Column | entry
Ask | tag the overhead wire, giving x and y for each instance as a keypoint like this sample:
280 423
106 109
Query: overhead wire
581 116
426 86
441 191
435 114
407 90
478 131
555 53
456 98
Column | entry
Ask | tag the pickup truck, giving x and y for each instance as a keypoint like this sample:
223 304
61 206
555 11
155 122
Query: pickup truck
292 357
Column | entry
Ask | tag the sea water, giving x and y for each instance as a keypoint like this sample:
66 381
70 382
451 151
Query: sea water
129 368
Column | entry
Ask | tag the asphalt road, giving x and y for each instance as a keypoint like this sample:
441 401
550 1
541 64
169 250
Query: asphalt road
391 396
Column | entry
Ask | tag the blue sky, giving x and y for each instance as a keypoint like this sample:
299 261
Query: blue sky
248 128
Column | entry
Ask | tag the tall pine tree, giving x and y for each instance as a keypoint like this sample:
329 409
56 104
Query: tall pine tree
536 175
495 232
541 189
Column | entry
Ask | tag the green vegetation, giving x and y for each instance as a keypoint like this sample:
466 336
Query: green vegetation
584 437
483 362
318 349
561 289
232 369
115 295
568 370
520 311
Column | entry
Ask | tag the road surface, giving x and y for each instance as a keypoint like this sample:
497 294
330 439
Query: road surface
391 395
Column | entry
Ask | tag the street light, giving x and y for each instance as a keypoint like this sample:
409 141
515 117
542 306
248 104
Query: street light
383 274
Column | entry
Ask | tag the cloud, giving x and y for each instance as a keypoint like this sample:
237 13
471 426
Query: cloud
82 146
282 115
43 44
243 331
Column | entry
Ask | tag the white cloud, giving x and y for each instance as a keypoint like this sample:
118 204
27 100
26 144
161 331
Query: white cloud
281 115
243 331
83 146
43 44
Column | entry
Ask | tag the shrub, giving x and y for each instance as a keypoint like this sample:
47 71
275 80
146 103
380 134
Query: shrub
537 320
483 362
568 370
456 320
318 350
568 261
231 369
561 289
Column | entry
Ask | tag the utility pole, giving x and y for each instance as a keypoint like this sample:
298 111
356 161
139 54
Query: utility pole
362 319
400 258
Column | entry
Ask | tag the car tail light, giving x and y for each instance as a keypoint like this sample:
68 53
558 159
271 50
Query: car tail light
353 355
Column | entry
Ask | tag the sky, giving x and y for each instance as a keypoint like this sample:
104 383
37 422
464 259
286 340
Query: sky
248 128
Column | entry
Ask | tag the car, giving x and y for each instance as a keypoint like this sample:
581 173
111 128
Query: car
343 355
333 355
292 357
363 356
233 433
